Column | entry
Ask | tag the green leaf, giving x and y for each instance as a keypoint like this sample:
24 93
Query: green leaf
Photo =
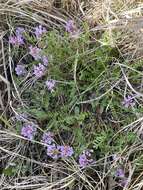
8 171
38 114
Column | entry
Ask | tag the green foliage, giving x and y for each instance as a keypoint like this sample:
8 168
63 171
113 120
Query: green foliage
101 141
83 70
15 169
106 143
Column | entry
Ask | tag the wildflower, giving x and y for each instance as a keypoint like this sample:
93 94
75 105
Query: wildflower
120 173
16 40
84 159
35 52
70 27
45 60
39 31
13 40
39 70
20 70
66 151
28 131
47 138
115 157
50 84
20 40
20 31
123 182
52 151
128 101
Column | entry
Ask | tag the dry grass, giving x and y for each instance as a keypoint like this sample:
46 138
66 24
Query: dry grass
123 21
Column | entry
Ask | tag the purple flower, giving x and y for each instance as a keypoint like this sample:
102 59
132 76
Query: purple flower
20 31
28 131
20 40
45 60
20 70
39 31
114 157
52 151
16 40
128 101
35 52
47 138
50 84
72 29
13 40
84 159
70 26
123 182
65 151
39 70
120 173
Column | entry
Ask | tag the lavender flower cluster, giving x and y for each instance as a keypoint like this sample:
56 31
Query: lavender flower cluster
56 151
48 138
72 29
28 131
20 70
18 38
123 181
128 101
85 158
40 31
59 151
39 70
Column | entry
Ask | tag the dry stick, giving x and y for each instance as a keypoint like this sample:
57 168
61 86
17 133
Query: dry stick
128 67
129 84
8 85
22 187
1 103
51 15
3 57
13 78
47 186
75 72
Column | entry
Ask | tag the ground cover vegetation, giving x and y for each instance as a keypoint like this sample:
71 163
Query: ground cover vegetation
71 95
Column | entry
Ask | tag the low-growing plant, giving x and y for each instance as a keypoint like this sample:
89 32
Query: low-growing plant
68 99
